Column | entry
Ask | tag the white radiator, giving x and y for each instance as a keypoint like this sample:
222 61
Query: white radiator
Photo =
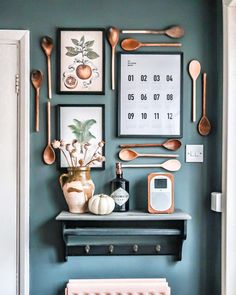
118 287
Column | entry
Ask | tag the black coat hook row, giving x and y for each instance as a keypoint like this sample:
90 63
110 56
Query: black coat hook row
131 233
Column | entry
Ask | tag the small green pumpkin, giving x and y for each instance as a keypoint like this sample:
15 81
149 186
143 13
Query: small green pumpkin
101 204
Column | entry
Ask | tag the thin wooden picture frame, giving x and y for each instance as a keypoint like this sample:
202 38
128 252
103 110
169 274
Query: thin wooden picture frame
132 61
81 61
81 112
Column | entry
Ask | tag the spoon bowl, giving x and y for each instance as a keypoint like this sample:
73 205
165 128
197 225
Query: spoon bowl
37 79
174 32
204 126
172 144
49 156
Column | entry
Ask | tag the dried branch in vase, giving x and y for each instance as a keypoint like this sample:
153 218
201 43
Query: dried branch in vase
76 153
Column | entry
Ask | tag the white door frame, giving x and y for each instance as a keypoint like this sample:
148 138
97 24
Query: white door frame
228 253
21 37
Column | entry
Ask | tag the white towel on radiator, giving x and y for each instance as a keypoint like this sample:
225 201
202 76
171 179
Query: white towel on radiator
118 287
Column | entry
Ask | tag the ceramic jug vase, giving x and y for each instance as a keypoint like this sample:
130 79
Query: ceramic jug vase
78 188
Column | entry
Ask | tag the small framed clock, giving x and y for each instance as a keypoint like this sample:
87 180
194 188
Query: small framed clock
150 94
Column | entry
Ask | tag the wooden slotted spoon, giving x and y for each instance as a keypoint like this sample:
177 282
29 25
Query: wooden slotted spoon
204 125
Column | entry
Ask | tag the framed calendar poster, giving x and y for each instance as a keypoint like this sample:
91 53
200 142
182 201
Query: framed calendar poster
150 95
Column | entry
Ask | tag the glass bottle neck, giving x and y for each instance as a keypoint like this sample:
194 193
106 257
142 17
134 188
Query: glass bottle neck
119 175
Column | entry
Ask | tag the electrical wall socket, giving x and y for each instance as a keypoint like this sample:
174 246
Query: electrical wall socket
194 153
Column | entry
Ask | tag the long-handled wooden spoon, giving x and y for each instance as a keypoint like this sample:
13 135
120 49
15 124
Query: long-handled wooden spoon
169 165
204 125
194 71
129 155
113 38
47 46
133 44
170 144
48 153
172 32
37 79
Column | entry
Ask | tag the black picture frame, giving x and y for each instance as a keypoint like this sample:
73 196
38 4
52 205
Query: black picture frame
59 108
132 58
61 88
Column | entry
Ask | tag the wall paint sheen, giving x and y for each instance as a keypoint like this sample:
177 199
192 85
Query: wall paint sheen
199 271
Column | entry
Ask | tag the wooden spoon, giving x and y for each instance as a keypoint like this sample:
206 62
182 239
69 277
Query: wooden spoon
169 165
204 125
36 79
113 38
48 153
129 155
194 71
172 32
47 46
133 44
170 144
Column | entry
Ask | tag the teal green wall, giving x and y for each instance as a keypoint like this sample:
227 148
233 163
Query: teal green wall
199 271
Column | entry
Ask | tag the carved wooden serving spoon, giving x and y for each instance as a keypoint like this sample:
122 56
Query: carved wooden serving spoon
47 45
48 153
113 38
172 32
170 144
129 155
37 79
204 125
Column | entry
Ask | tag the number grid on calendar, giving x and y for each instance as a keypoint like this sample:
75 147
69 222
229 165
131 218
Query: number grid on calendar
150 95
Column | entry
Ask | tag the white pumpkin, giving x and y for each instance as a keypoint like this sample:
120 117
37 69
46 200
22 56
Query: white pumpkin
101 204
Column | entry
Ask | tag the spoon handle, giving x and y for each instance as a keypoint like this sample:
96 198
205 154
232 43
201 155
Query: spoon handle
204 95
37 110
162 44
113 68
158 155
49 78
158 32
140 145
194 101
49 121
141 165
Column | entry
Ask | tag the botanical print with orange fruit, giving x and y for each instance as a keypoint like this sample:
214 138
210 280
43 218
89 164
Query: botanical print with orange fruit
82 69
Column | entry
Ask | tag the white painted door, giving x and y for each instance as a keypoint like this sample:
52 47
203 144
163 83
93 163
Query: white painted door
8 168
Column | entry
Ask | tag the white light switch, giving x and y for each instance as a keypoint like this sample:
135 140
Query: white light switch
194 153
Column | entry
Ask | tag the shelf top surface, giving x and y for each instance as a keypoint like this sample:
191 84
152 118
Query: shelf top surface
130 215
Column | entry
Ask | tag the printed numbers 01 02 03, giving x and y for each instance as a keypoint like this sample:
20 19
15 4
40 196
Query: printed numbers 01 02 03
156 78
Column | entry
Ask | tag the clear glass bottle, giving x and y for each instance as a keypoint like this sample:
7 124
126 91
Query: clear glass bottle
120 190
